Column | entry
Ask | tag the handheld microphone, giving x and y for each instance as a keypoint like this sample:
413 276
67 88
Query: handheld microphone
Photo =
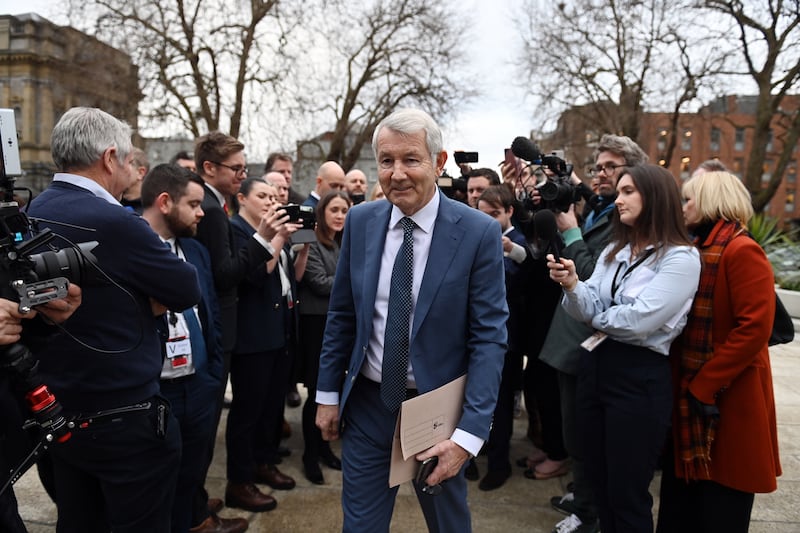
544 222
526 149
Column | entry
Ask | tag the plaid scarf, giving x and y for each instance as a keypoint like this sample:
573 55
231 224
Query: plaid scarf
696 432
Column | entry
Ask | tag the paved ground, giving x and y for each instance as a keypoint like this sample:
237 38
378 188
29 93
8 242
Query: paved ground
520 505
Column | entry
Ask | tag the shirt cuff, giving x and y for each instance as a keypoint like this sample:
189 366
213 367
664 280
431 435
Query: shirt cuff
327 398
572 235
468 441
265 243
517 253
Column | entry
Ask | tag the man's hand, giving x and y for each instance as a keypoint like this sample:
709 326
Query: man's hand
451 458
58 311
328 421
10 321
567 219
508 244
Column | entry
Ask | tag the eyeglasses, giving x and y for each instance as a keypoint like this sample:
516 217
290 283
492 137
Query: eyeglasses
608 168
236 169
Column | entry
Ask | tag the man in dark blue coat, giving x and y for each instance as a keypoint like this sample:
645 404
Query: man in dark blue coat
192 371
118 471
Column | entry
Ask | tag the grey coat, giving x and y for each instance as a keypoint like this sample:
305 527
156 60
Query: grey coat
315 287
561 348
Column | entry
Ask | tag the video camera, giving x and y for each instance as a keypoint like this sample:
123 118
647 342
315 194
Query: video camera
32 279
557 191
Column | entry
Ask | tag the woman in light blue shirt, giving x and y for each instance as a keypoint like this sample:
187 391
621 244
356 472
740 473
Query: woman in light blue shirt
637 300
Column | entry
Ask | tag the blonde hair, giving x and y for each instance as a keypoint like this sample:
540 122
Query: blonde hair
719 195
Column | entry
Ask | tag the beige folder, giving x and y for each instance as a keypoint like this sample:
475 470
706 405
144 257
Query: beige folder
423 421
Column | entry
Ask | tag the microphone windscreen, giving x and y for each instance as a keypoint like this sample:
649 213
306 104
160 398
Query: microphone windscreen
526 149
544 223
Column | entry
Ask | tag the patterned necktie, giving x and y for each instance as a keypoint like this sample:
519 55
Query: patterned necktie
395 343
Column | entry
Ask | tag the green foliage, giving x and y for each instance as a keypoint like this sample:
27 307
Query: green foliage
764 229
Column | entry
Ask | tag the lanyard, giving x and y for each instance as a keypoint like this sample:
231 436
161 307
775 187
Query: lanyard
615 285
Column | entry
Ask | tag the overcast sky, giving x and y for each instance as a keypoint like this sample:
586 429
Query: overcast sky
485 126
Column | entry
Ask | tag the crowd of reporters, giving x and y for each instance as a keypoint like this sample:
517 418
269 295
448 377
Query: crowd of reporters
145 383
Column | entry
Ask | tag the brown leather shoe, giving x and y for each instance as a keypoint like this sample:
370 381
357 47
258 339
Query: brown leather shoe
215 505
270 475
215 524
247 496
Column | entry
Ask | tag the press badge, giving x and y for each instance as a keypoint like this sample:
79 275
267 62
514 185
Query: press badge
178 351
595 340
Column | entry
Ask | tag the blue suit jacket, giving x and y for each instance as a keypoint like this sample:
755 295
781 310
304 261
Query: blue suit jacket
208 309
459 320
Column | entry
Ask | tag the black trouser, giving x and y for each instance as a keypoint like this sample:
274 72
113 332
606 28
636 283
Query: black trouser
118 474
259 387
541 390
700 506
624 404
583 497
498 446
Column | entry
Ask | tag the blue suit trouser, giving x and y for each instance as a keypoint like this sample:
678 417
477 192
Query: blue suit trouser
367 500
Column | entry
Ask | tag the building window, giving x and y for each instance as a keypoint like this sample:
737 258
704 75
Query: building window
738 144
791 172
685 171
738 165
766 171
788 207
686 140
661 142
716 139
770 139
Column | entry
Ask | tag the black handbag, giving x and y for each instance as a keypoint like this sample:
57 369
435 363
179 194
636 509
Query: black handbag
782 326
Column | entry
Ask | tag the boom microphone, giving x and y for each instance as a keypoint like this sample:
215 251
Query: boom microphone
526 149
544 222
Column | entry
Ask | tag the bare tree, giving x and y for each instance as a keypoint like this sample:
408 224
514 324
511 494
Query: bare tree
197 58
608 60
379 56
769 44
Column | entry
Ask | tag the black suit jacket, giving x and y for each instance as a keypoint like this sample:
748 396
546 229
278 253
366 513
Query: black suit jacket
229 264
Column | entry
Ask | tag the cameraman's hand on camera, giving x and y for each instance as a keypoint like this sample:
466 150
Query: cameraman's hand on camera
58 311
566 220
563 272
11 321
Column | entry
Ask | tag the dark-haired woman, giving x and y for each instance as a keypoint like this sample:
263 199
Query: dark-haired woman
260 363
315 290
637 300
724 440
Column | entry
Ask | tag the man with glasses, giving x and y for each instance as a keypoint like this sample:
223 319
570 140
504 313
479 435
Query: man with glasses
220 162
561 349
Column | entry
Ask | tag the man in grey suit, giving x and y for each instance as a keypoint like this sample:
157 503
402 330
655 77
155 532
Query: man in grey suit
562 349
454 323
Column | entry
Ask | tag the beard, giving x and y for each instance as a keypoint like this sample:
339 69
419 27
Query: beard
177 227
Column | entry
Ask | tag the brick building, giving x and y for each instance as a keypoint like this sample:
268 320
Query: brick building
723 130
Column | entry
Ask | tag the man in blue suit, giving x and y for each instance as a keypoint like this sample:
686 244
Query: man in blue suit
456 326
191 373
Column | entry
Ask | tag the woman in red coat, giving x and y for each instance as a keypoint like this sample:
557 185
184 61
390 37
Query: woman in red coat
724 434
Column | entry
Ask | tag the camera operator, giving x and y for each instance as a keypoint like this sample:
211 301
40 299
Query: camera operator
14 441
561 349
118 470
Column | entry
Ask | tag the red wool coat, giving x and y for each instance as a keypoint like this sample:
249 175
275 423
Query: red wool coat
738 378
